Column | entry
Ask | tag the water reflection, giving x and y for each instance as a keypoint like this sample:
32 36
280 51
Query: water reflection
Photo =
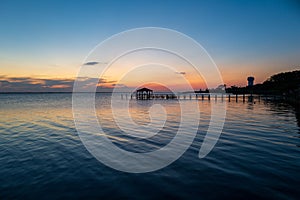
40 148
297 115
139 112
250 105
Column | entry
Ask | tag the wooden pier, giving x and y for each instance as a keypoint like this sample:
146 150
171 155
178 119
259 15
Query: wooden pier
148 94
201 97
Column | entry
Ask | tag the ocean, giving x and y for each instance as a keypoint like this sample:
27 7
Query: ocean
42 156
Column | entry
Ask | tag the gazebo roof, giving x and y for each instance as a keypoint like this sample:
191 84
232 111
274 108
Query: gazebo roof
144 89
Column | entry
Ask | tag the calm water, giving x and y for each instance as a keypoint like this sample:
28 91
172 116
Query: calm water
41 155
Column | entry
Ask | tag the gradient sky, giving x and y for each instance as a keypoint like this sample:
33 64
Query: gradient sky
44 40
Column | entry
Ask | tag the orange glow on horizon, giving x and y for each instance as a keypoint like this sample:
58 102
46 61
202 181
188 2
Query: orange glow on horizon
59 86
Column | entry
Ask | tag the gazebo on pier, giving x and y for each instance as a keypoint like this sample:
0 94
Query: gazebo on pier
144 94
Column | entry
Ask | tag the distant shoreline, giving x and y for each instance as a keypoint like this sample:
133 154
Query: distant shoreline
48 92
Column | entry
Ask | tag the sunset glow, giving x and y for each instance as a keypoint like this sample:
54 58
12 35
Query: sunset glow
241 39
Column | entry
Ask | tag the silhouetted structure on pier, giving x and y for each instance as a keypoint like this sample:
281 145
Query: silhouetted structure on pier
250 80
144 94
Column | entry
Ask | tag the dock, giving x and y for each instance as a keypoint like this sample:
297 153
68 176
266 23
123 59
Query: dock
203 97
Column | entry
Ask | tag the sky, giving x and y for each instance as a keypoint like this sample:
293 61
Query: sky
44 43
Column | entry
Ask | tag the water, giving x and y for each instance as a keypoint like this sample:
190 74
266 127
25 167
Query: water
41 155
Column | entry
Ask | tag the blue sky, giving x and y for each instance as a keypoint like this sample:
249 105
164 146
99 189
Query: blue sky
41 38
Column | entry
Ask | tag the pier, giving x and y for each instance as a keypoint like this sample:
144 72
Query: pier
201 97
148 94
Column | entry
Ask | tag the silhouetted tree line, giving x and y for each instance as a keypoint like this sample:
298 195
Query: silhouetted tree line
286 83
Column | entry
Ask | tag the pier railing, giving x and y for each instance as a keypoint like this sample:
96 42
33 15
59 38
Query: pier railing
206 97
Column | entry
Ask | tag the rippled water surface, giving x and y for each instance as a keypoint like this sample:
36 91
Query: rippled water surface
41 155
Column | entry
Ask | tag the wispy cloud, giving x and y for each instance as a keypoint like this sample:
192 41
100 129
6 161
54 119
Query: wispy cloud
29 84
94 63
182 73
91 63
119 85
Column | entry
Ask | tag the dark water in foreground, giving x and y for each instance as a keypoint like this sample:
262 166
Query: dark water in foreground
41 155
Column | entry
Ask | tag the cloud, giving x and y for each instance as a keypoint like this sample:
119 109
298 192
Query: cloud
119 85
94 63
182 73
91 63
28 84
